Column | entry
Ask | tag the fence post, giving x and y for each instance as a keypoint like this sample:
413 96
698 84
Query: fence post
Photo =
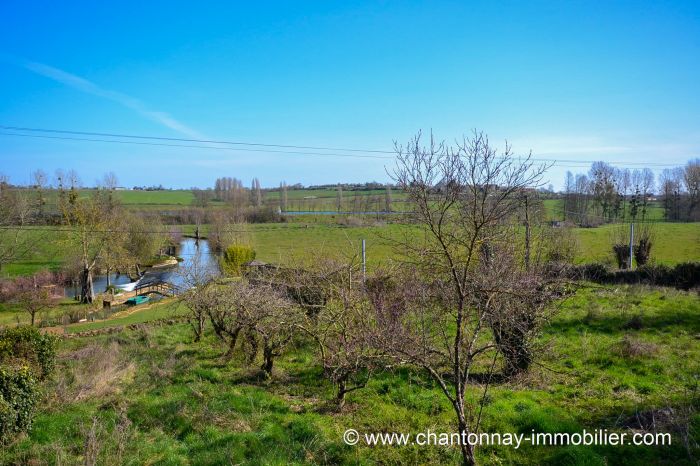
631 244
364 262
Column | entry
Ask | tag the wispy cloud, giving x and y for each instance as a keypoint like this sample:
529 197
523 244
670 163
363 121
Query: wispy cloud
125 100
622 148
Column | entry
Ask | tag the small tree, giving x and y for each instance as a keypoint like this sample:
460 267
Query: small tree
644 237
620 240
16 241
196 277
342 327
260 309
32 294
265 310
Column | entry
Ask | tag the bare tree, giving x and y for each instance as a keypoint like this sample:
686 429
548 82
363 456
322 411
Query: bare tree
604 193
691 179
283 196
40 180
260 310
196 276
465 198
16 240
340 321
202 197
33 294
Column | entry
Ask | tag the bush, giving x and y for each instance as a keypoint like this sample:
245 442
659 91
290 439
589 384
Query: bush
18 397
234 258
622 255
642 251
28 346
684 276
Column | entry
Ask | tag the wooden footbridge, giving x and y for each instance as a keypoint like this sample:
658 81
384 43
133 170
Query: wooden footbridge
156 286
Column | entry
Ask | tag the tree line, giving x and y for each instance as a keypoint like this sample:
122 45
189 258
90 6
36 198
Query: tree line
608 194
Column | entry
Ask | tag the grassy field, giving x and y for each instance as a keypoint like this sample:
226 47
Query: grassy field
152 396
673 243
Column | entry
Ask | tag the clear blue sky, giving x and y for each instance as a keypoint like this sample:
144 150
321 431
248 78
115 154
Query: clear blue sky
616 81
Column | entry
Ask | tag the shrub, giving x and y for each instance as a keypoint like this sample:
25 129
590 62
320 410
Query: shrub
18 396
642 251
686 275
622 255
28 346
234 258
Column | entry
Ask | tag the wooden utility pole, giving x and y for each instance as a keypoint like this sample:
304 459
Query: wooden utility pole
364 262
527 235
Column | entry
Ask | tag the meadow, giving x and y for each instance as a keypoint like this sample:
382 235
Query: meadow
295 241
616 357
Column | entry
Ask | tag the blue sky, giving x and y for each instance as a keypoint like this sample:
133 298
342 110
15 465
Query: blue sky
615 81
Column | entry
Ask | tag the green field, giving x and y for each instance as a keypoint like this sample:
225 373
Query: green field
279 243
152 396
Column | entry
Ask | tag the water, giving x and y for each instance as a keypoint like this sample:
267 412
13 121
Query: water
190 250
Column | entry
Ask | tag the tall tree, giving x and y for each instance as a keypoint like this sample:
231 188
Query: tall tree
283 196
465 198
339 199
16 240
90 224
691 179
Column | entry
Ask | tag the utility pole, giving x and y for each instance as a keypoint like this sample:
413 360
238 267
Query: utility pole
527 236
364 262
631 244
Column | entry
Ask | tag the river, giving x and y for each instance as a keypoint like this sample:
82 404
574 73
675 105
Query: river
190 250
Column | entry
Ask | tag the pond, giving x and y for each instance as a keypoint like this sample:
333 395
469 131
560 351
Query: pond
193 252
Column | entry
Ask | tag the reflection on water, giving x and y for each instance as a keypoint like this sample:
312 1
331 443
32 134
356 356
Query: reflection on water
190 250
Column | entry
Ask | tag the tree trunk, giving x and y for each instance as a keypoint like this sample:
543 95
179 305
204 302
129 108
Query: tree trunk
198 327
33 314
268 360
340 396
466 449
232 344
87 293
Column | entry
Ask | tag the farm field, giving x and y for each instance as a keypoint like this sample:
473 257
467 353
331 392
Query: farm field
153 396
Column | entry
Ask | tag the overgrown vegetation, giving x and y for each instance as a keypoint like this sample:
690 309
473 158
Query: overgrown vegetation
153 395
26 357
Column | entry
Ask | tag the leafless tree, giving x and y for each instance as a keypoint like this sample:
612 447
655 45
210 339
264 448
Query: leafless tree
604 191
691 179
33 293
261 310
340 322
283 196
16 239
196 277
465 198
40 179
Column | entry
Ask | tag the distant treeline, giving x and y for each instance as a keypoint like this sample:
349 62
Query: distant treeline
608 194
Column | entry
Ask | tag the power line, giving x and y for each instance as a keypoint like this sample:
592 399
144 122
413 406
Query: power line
356 152
208 141
192 146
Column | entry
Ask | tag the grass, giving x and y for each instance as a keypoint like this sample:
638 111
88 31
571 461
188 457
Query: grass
673 243
153 396
139 314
